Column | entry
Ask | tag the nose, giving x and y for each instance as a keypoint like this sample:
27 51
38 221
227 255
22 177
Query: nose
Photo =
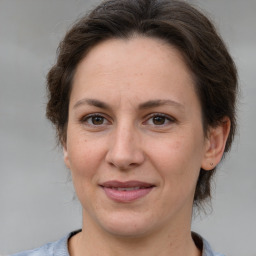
125 149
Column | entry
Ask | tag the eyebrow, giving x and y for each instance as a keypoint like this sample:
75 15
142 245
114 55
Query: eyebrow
146 105
158 103
92 102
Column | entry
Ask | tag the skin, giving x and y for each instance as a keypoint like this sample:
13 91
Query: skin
148 127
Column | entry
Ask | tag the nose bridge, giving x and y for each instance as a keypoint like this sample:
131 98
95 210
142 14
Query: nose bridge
125 134
125 150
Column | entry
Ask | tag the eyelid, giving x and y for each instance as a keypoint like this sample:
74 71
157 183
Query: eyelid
168 117
85 118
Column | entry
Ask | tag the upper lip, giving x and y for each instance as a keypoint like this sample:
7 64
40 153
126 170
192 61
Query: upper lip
126 184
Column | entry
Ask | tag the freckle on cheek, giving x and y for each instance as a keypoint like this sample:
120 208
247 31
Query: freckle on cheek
177 145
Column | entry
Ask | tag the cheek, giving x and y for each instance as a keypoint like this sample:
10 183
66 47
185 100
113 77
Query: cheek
84 158
84 165
83 152
179 159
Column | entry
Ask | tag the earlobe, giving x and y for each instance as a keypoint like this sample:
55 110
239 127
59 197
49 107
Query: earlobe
215 145
65 156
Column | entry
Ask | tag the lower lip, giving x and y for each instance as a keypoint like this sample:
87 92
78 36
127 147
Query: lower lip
126 196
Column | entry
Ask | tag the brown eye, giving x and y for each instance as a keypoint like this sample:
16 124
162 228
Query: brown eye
159 120
97 120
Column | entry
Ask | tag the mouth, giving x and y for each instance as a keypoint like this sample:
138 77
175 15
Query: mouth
126 191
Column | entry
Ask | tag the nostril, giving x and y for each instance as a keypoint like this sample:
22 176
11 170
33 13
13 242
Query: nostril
124 152
123 163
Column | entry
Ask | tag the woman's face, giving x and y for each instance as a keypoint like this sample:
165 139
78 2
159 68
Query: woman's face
135 142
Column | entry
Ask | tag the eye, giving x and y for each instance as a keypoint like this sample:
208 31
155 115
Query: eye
159 120
95 120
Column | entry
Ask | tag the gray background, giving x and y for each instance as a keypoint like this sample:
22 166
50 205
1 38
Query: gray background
37 202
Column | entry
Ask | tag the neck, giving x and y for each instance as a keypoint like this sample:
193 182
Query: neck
92 241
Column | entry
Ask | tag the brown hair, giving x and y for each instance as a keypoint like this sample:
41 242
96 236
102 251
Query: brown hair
175 22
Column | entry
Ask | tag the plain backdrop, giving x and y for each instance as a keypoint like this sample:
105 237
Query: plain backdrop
37 202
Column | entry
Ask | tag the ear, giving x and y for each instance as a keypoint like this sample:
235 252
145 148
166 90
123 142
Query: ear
65 155
215 144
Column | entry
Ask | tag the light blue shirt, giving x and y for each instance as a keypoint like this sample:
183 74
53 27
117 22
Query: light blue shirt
60 248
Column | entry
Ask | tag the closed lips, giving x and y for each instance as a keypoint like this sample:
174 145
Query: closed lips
125 192
128 189
126 186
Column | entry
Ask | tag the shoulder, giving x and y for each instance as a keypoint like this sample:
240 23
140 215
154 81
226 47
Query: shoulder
58 248
204 246
42 251
207 250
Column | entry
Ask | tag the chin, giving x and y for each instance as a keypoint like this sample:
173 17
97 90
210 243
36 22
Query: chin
127 226
127 230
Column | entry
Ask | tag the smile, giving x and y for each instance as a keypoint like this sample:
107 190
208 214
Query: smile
126 191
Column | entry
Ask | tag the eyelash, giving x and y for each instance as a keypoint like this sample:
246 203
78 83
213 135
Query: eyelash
86 119
167 118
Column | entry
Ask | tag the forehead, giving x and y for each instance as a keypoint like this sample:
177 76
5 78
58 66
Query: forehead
133 50
137 63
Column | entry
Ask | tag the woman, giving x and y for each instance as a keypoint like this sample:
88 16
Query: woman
143 99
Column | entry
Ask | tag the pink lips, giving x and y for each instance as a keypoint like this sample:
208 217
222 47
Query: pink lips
126 191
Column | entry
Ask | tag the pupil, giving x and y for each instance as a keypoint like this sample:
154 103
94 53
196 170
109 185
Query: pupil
97 120
158 120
